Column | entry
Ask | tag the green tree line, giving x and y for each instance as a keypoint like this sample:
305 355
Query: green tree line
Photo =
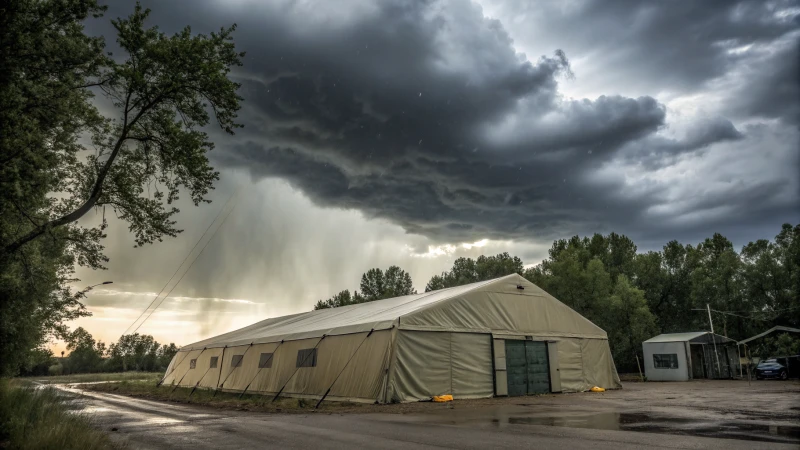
634 296
140 352
375 285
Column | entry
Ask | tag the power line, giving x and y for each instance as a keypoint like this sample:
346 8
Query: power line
766 312
219 213
736 315
190 265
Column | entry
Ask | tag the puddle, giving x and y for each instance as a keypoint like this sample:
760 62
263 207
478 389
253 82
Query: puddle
662 424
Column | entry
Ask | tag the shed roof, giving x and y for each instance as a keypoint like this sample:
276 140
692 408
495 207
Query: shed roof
692 336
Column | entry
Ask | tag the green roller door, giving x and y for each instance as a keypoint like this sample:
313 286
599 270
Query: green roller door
516 368
527 367
538 367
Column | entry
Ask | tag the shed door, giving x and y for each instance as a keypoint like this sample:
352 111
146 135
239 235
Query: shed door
527 367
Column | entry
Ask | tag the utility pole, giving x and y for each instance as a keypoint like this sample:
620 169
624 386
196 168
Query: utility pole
714 339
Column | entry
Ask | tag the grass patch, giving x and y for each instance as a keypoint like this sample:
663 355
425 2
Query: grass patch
44 418
153 377
222 400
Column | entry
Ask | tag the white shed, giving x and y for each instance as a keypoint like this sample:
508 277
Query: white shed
684 356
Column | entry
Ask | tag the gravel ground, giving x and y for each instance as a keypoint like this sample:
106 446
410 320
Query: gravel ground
724 414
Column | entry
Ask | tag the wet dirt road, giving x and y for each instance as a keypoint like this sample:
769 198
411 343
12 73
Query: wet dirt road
651 415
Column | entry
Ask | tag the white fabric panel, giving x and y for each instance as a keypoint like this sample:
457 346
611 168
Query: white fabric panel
421 367
570 363
471 360
434 363
598 367
555 371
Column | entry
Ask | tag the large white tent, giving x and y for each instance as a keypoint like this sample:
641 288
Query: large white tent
499 337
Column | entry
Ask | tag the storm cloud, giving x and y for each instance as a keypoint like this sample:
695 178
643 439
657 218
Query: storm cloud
393 132
428 115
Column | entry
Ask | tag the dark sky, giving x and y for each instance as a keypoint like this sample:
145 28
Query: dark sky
394 132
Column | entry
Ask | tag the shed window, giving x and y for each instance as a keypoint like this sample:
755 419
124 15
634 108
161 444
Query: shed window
265 361
192 363
213 364
665 361
236 360
307 357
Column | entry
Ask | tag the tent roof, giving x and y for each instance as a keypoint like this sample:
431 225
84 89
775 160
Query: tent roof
692 336
424 310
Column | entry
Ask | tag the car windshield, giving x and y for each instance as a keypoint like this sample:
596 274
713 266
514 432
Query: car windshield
768 362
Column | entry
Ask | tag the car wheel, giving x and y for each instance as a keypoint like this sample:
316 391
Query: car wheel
784 375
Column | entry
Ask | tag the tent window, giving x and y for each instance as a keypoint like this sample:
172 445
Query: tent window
236 360
307 357
667 361
265 361
213 362
192 363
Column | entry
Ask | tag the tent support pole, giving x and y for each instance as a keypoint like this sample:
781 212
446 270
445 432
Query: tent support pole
714 339
229 373
641 377
259 370
221 362
184 375
392 344
295 370
198 381
342 371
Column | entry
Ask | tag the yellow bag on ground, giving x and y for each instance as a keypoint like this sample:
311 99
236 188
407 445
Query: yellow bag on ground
597 389
443 398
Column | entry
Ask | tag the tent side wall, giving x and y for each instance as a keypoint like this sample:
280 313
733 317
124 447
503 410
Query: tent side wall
423 363
352 366
585 363
428 363
678 349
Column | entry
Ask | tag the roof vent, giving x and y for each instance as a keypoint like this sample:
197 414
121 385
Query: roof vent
520 287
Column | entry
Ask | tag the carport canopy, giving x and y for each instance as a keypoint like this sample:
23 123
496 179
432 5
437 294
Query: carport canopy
770 331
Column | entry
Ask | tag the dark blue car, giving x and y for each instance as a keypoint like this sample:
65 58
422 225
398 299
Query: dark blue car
772 368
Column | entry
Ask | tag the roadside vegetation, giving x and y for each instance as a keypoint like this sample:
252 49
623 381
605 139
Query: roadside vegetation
44 418
224 400
150 377
133 352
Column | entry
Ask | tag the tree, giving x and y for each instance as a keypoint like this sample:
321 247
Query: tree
628 322
38 362
134 352
716 281
394 282
583 287
375 285
165 355
783 344
664 278
61 158
86 355
341 299
467 270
